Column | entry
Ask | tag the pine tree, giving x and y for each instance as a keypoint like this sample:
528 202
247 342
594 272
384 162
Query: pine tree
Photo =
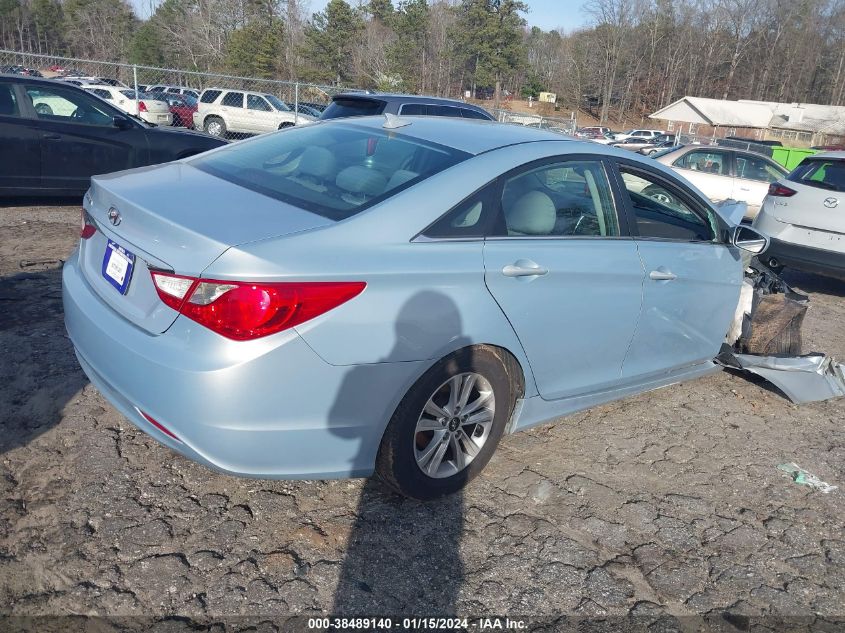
329 40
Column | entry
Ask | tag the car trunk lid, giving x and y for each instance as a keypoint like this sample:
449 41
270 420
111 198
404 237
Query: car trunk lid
819 202
173 218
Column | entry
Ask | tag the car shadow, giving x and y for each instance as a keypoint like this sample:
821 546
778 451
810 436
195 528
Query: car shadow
39 373
403 556
814 284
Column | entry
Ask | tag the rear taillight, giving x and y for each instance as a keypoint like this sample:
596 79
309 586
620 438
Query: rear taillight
246 310
142 107
87 229
779 190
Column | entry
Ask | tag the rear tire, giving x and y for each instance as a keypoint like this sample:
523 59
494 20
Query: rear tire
425 455
285 125
215 126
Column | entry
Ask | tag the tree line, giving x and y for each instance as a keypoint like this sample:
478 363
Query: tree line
630 58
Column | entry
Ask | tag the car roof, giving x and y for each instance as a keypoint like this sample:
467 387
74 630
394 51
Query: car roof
834 154
473 136
405 98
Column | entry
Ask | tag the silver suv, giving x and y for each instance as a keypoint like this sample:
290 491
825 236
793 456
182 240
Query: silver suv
221 112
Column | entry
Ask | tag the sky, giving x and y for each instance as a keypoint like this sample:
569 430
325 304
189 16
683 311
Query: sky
547 14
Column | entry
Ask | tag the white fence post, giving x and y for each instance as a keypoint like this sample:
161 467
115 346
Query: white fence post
135 86
296 103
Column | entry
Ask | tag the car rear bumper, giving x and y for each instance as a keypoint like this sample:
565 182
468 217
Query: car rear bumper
806 258
270 408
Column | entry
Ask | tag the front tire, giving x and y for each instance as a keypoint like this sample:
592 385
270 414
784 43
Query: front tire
215 126
448 425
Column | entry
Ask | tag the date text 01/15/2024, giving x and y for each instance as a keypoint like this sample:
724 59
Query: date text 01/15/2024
416 624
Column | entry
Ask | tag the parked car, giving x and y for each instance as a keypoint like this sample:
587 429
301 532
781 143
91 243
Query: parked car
113 82
642 134
182 107
632 143
804 213
314 104
606 139
179 90
723 173
592 132
659 144
233 339
55 136
745 139
221 111
368 104
150 108
303 108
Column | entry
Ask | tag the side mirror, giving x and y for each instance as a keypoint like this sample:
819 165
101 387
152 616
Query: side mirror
121 122
749 239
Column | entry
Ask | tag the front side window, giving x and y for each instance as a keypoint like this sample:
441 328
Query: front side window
103 94
561 199
661 211
335 171
277 103
822 173
233 100
8 102
756 168
254 102
57 104
708 162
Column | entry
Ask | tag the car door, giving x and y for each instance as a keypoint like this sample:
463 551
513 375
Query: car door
232 110
79 138
709 170
752 177
259 114
20 141
692 279
566 276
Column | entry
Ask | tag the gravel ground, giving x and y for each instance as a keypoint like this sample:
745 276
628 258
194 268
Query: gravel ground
666 506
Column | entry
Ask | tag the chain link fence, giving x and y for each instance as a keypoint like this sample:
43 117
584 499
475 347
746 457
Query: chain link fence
227 105
222 105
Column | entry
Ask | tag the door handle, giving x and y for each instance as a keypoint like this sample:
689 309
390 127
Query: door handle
524 268
662 275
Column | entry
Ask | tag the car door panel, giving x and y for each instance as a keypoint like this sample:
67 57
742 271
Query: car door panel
564 273
574 322
690 293
692 280
20 143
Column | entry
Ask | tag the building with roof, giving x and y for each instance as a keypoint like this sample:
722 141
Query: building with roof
795 123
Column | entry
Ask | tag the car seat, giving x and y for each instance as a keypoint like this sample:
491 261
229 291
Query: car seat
360 184
317 166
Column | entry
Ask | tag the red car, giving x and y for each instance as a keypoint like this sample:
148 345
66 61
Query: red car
182 107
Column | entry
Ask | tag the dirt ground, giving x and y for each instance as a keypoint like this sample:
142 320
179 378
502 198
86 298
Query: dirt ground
667 506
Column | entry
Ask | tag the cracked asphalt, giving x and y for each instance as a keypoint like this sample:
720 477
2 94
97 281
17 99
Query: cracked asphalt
666 507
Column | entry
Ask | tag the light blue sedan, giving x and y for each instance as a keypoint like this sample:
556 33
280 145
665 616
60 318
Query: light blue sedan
392 294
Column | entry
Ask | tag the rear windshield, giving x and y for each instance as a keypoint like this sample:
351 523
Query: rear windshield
822 173
342 108
335 170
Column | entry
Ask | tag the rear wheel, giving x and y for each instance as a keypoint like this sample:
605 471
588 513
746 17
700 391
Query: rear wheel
448 425
215 126
285 125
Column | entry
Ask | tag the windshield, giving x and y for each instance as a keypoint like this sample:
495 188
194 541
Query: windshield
823 173
277 103
334 170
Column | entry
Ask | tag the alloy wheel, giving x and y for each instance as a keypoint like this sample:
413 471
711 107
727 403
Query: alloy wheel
454 425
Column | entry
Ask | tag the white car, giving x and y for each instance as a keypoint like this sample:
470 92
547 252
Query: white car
804 214
221 111
149 108
646 135
722 173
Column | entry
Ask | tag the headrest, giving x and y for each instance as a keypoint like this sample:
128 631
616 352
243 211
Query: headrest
318 162
532 214
358 179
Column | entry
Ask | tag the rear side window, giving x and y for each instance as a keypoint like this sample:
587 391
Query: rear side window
233 100
757 168
821 173
210 96
335 171
567 198
430 109
342 108
705 161
8 103
469 219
